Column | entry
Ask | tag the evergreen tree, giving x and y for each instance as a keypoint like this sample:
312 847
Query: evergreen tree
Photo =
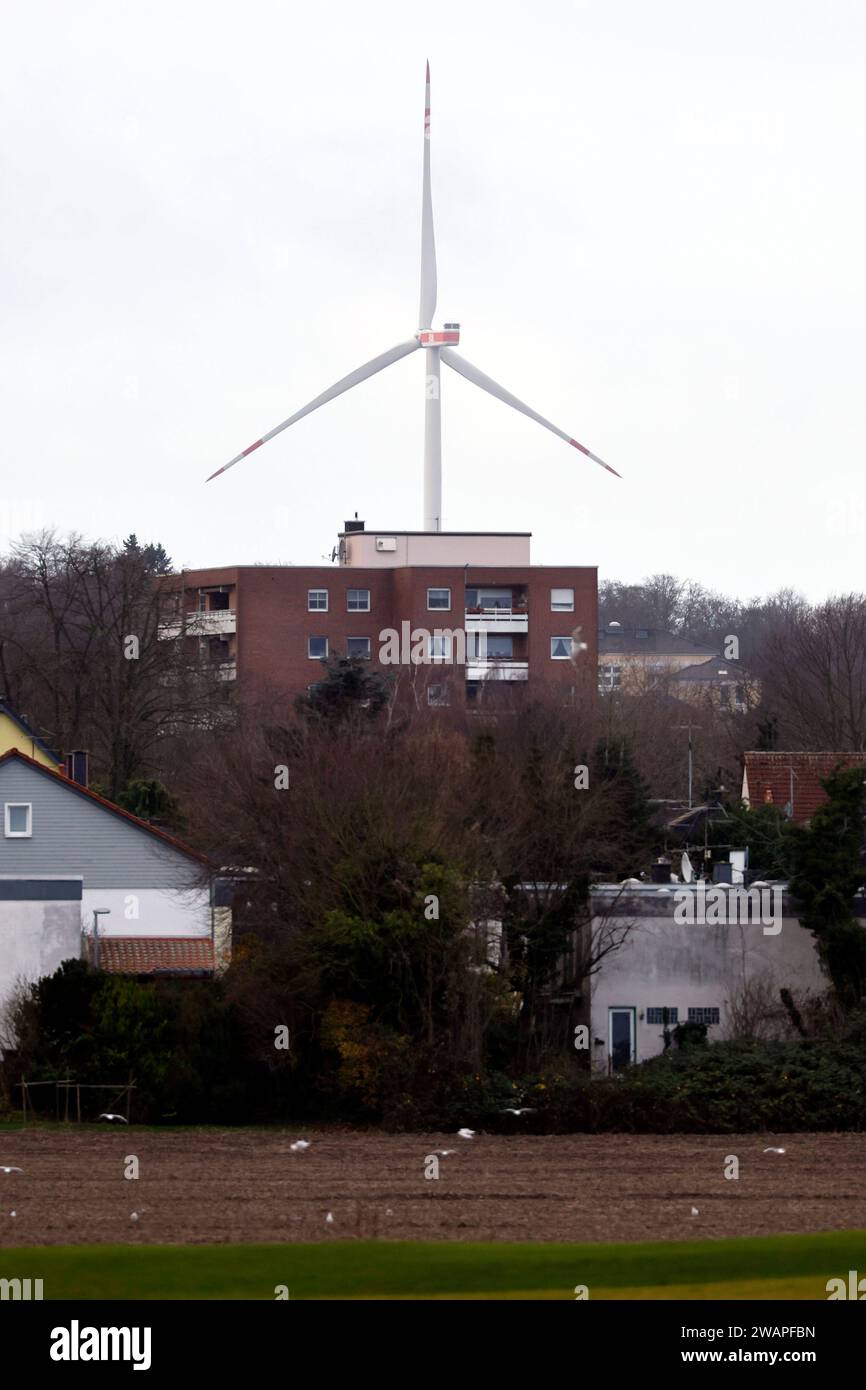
348 689
828 871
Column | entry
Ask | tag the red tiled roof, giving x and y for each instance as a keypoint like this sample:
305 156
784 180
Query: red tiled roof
767 779
155 955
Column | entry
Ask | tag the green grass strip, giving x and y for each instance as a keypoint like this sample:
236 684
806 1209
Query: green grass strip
420 1269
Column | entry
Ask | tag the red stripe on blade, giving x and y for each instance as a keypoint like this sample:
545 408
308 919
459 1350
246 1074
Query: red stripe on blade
258 444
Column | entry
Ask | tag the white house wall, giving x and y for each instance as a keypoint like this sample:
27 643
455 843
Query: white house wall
35 937
148 911
666 964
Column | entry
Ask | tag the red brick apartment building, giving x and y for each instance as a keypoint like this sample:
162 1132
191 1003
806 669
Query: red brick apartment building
269 627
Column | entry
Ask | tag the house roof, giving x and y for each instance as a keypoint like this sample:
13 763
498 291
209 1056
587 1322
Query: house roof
29 733
767 779
716 669
156 955
77 789
655 642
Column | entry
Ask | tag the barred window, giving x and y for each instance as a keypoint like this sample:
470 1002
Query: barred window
703 1015
659 1016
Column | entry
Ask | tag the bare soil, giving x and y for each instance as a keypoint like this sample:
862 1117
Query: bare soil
247 1185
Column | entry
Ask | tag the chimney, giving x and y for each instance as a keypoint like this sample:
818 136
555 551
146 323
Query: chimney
355 525
77 767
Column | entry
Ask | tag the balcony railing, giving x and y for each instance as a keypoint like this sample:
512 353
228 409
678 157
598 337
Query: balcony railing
497 620
496 668
198 624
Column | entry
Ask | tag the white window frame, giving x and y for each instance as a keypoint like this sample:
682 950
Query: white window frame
439 607
367 655
317 609
7 820
349 608
561 637
562 605
443 641
310 656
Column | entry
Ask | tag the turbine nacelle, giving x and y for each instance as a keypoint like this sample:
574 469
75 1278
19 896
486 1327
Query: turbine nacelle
435 337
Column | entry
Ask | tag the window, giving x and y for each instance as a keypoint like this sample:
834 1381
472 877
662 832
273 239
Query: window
437 694
662 1015
641 633
489 598
18 820
562 600
440 646
358 600
317 648
703 1016
439 598
560 648
358 647
609 677
487 646
317 600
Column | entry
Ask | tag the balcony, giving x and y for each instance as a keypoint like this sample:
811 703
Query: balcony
496 668
222 621
498 619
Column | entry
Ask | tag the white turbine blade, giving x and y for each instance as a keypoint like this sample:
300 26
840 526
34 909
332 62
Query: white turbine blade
428 243
360 374
459 364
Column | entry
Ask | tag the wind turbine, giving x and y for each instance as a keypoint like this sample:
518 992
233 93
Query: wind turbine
438 345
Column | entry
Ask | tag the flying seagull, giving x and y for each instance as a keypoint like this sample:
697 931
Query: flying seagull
527 1110
299 1145
11 1170
466 1133
114 1119
774 1151
438 345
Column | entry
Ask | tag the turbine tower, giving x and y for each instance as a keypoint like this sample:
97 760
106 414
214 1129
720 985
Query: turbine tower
438 345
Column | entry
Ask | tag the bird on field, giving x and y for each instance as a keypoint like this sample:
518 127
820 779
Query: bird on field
11 1170
695 1211
329 1218
114 1119
299 1145
443 1153
527 1110
12 1213
466 1133
774 1151
134 1216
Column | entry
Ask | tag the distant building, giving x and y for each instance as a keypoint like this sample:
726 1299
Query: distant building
792 781
726 685
451 613
16 733
630 658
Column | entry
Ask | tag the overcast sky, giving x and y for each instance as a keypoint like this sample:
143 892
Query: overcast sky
650 223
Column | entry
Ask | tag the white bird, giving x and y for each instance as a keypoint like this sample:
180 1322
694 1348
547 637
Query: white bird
695 1211
774 1151
527 1110
299 1145
443 1153
329 1219
13 1213
134 1216
466 1133
388 1211
114 1119
438 346
11 1170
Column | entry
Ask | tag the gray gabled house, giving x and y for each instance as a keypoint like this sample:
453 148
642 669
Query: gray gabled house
67 854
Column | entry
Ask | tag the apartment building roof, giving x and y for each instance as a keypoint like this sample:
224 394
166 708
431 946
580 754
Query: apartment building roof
627 640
